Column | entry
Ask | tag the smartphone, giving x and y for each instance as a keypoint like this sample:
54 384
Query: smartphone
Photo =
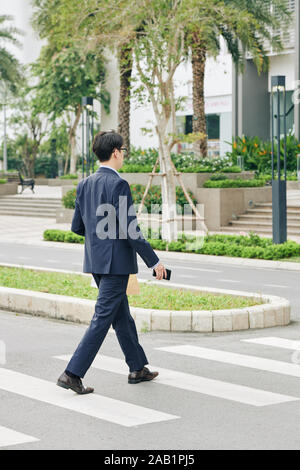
168 274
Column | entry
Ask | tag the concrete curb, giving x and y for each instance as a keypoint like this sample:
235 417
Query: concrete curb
275 311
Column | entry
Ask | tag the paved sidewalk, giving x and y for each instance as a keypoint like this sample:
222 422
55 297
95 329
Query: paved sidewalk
28 230
40 192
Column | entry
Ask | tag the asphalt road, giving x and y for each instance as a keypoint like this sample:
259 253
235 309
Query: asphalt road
215 391
249 398
259 280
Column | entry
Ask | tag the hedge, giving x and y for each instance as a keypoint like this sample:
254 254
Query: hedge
69 177
3 181
137 191
238 183
250 246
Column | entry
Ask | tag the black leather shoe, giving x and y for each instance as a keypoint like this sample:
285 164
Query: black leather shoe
143 375
74 384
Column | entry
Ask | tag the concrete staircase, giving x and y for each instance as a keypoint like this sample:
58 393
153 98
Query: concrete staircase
259 220
29 206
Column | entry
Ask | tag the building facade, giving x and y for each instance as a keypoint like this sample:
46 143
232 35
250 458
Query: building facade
251 93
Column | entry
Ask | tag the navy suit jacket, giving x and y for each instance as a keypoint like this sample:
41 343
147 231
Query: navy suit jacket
109 256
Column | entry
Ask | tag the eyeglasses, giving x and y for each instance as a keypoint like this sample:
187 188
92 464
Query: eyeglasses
124 149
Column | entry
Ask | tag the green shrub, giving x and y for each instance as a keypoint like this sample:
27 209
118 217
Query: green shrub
238 183
154 196
71 237
62 236
3 181
257 153
54 235
69 177
69 199
250 246
218 177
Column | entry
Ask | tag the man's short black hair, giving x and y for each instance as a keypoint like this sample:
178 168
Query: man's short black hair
105 143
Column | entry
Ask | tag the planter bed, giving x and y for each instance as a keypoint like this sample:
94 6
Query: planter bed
8 189
270 311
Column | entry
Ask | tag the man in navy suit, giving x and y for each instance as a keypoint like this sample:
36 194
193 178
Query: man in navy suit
104 202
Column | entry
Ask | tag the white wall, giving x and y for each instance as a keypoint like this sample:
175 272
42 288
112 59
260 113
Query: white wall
283 64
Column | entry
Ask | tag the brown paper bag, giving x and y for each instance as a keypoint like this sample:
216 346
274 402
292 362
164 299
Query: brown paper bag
133 287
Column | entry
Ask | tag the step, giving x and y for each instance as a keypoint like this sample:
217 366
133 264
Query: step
30 205
269 211
18 212
31 199
245 217
27 201
28 214
268 205
255 223
261 232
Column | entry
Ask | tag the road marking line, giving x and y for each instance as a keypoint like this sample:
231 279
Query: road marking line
276 342
277 286
96 406
252 362
8 437
193 269
194 383
228 280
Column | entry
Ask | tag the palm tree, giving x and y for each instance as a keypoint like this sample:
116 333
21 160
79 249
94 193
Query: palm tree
250 32
125 66
10 69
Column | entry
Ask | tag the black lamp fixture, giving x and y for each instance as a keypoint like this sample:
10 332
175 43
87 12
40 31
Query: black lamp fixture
279 185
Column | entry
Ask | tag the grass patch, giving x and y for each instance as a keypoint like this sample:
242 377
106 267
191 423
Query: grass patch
151 296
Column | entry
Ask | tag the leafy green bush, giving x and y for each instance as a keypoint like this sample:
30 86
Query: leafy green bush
69 199
3 181
238 183
142 161
154 196
62 236
69 177
244 246
46 165
257 154
218 177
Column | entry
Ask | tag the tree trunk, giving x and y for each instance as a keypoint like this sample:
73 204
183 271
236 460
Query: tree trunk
125 63
72 137
168 189
199 120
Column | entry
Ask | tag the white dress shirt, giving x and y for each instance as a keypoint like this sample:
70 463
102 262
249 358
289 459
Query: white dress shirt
111 168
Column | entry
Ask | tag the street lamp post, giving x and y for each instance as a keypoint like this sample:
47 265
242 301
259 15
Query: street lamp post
279 198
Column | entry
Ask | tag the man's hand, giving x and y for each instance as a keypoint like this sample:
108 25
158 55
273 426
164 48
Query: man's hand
161 272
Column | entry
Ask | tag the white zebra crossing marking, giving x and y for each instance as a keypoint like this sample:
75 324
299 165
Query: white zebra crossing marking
242 360
97 406
276 342
194 383
8 437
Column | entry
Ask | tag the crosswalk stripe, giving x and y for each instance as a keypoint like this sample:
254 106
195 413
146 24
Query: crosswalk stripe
194 383
8 437
97 406
276 342
242 360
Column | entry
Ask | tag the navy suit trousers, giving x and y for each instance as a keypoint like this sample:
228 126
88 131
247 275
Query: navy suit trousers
111 309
